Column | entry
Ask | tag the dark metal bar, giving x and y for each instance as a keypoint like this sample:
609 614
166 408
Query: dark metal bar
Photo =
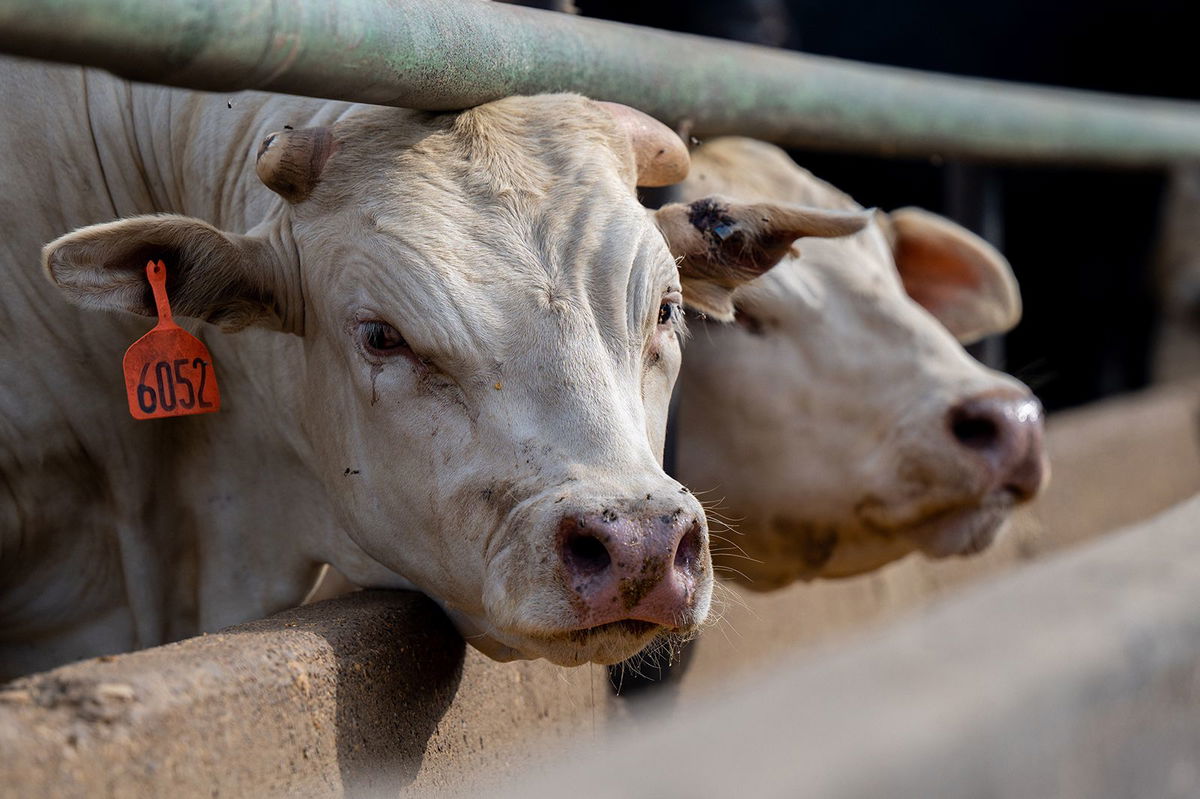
448 54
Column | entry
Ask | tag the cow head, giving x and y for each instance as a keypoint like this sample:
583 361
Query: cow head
486 334
840 421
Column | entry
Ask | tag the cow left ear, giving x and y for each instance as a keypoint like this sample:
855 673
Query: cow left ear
721 244
229 279
954 274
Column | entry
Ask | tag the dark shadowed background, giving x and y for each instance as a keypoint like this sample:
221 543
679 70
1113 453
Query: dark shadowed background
1082 242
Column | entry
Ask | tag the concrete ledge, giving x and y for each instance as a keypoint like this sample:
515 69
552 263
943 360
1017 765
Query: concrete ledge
1075 677
367 695
260 709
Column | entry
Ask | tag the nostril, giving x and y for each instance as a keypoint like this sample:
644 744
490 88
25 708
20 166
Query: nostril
1025 479
973 429
585 554
687 554
1019 493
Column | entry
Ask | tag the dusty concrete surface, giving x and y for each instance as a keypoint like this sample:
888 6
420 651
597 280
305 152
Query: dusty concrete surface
374 696
509 719
1075 677
257 710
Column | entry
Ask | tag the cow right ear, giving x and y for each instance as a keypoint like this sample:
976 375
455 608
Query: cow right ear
228 279
721 244
954 274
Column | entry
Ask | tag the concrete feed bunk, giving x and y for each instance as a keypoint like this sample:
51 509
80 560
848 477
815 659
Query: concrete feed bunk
375 694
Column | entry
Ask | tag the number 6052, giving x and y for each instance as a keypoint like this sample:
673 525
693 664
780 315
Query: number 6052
172 388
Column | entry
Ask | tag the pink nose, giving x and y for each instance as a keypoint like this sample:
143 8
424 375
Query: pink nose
641 567
1005 432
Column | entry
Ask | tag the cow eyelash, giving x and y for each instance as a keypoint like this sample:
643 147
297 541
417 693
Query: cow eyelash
380 338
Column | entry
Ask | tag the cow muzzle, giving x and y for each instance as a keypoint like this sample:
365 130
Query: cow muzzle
624 565
1004 431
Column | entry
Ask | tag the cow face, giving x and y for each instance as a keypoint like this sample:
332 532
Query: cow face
487 337
840 421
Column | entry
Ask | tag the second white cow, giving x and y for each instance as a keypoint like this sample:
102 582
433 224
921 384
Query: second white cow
840 423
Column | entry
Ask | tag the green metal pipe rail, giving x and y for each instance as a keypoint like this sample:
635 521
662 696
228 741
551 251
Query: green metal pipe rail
449 54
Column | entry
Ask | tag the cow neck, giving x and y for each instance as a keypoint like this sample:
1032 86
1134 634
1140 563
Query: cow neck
193 154
174 151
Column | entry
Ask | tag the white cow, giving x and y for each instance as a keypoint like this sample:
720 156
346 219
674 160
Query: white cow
840 424
445 344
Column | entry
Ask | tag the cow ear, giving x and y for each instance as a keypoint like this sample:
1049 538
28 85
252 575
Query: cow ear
955 275
228 279
721 244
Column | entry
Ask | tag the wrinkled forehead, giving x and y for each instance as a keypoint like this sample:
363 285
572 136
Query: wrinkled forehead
510 204
541 182
523 164
509 152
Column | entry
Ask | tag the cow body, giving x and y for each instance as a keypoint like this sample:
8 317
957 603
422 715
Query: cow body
502 454
117 534
840 425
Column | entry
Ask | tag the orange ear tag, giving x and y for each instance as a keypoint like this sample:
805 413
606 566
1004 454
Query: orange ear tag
168 371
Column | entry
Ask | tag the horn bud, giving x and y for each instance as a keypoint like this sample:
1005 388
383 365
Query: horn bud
289 162
661 156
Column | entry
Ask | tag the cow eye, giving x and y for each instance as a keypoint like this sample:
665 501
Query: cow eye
748 322
668 311
381 338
